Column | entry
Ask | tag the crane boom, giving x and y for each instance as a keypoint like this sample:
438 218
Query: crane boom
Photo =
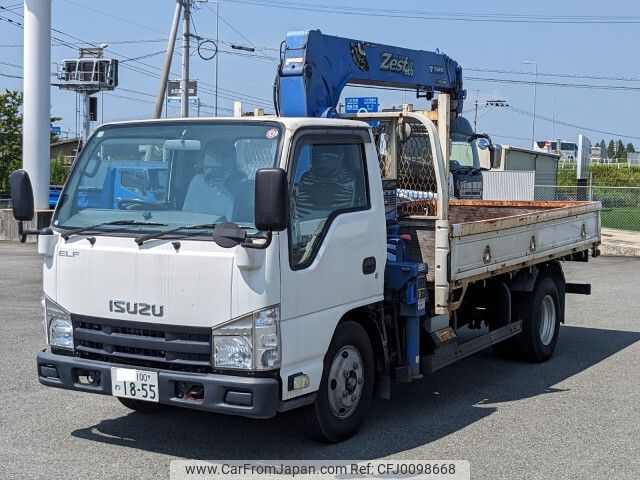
315 68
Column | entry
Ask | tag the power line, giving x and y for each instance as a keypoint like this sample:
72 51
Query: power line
136 91
148 55
555 84
568 124
443 16
125 97
7 75
102 12
203 106
251 100
559 75
15 65
236 30
11 8
129 42
495 135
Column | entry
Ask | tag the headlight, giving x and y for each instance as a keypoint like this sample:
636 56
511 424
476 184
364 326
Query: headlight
58 323
251 342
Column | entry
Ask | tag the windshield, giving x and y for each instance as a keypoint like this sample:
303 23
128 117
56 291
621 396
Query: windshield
167 175
464 151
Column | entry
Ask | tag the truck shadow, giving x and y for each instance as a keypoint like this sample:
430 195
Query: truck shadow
417 414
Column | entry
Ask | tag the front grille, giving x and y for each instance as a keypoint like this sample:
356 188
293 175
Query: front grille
169 347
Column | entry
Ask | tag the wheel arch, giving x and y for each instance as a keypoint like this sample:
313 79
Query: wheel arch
371 319
525 280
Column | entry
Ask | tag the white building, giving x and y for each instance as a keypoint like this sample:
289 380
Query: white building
598 154
568 151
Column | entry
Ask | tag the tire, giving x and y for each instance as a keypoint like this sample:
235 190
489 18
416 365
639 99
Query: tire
541 314
141 406
348 372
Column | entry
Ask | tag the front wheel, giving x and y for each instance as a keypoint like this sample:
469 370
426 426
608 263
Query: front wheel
346 387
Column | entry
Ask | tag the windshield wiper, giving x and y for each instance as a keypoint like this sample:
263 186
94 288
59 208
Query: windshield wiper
76 231
152 236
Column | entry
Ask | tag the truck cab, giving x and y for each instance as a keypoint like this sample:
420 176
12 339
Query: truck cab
147 280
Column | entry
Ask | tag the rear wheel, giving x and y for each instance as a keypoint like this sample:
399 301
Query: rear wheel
346 387
142 406
541 314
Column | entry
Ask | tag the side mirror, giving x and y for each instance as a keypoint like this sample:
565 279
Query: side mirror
271 200
21 201
21 196
483 143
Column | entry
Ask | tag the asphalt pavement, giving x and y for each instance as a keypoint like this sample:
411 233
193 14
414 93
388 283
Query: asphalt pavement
576 416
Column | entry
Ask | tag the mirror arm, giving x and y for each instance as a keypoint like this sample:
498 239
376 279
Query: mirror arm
23 234
260 246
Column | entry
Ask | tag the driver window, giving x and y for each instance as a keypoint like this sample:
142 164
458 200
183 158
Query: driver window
329 179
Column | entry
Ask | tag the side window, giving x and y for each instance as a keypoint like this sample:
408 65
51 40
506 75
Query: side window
328 179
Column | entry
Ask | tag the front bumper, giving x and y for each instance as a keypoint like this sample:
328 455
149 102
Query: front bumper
245 396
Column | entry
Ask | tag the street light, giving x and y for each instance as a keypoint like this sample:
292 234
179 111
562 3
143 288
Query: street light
535 85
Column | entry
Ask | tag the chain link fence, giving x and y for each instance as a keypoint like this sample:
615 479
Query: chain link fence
5 201
416 178
620 205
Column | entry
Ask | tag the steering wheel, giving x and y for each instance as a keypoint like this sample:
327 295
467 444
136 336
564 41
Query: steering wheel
141 204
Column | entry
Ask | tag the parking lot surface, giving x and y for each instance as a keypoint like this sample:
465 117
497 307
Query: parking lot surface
576 416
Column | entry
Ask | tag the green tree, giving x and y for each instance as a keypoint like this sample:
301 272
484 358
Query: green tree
10 136
611 149
54 137
621 153
59 170
630 148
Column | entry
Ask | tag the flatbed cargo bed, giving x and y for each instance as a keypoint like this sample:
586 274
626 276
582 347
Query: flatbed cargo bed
487 238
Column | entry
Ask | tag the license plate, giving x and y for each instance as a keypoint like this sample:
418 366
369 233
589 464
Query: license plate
136 384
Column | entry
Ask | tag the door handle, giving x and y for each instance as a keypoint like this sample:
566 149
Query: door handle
369 265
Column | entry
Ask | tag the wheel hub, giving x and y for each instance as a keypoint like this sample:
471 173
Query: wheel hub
547 320
345 382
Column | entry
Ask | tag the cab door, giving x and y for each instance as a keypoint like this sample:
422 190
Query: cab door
333 252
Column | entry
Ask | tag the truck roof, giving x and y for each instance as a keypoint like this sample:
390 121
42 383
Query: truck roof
290 123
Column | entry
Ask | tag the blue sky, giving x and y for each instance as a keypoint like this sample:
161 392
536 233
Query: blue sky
584 49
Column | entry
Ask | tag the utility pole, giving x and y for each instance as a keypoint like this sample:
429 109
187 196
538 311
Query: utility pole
185 58
535 88
36 120
162 90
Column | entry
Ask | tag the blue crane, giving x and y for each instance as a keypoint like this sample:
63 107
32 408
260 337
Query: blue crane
315 68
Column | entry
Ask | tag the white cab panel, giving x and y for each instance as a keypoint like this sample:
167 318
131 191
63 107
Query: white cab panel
193 284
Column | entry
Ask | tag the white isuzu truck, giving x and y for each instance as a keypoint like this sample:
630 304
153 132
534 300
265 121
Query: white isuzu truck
277 277
249 266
